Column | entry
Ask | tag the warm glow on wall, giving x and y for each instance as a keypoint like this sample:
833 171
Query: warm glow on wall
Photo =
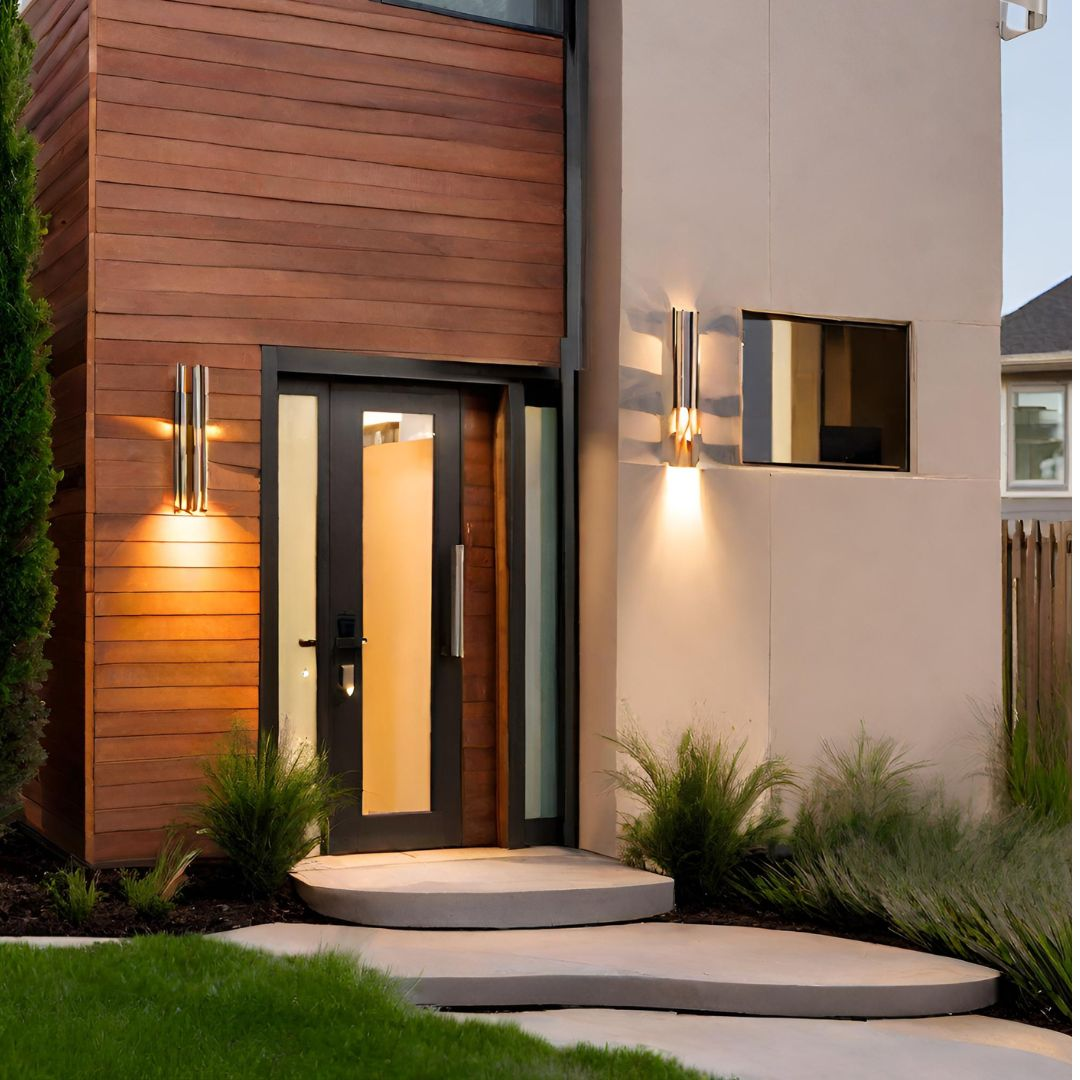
685 422
682 498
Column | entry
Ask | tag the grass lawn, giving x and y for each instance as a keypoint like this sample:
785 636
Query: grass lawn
189 1007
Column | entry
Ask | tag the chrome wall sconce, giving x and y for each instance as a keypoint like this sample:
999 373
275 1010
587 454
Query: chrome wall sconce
1034 17
685 421
191 452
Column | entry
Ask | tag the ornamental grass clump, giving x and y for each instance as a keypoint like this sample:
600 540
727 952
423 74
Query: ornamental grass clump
153 894
266 807
701 812
72 894
1032 763
872 842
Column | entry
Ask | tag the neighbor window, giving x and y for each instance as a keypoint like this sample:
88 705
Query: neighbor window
818 392
544 15
1038 416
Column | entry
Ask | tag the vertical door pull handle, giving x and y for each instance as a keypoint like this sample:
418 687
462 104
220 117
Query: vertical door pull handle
457 603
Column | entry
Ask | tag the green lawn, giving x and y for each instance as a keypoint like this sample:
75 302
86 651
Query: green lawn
189 1007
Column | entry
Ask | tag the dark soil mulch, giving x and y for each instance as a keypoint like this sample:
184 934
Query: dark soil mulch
211 900
737 913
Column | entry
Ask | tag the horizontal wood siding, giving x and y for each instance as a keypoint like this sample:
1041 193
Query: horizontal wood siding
335 174
59 116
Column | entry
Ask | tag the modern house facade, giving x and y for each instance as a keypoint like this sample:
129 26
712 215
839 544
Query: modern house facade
1036 408
439 383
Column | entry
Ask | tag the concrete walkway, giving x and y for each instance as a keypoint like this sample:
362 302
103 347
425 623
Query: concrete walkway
480 888
721 969
752 1048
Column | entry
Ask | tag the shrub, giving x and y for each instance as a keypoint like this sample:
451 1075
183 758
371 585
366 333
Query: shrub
72 895
701 815
151 895
27 479
1033 766
264 807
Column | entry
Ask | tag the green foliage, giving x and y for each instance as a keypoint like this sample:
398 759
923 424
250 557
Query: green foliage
152 894
27 479
266 807
72 894
700 814
872 843
170 1008
1033 766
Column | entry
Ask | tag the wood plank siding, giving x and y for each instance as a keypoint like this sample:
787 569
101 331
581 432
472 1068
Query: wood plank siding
59 116
337 174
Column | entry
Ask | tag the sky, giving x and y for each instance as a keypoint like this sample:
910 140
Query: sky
1036 106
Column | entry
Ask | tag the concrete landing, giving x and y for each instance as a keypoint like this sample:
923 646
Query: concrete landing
480 888
715 969
753 1048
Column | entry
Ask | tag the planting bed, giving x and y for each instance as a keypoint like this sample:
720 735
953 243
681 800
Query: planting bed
210 900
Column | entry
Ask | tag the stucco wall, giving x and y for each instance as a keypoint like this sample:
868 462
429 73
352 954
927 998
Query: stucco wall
829 159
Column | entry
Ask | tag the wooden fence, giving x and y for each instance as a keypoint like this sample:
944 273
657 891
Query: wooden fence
1036 581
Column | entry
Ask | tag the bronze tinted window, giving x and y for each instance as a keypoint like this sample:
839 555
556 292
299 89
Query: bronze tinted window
818 392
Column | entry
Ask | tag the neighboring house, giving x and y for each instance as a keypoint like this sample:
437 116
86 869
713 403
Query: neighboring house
374 431
1036 406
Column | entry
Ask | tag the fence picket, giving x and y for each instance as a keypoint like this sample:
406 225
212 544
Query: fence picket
1036 568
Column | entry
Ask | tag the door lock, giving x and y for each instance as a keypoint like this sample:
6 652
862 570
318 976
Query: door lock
347 679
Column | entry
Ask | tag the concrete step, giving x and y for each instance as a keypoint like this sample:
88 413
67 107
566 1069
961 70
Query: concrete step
758 1048
677 966
481 888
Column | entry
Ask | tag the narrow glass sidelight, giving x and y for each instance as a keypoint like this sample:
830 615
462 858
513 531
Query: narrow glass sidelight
298 493
541 613
398 575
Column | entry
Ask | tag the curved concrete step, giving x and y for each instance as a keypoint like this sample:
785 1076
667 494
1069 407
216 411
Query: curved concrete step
756 1048
481 888
679 966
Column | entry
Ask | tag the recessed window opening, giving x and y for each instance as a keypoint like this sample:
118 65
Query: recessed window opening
545 16
824 393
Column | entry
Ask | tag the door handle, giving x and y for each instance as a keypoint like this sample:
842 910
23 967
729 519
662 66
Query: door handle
457 603
347 678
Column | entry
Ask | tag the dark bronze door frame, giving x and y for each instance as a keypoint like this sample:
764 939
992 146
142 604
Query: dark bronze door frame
314 371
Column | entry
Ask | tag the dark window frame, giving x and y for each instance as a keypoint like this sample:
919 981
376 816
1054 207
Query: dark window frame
419 5
832 466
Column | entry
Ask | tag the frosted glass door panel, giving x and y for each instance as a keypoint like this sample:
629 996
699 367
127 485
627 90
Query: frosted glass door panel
298 493
398 539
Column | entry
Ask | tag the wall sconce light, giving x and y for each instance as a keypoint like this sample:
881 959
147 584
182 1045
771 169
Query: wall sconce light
1034 17
685 422
191 452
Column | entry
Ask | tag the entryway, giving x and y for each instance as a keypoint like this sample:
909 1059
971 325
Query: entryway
415 628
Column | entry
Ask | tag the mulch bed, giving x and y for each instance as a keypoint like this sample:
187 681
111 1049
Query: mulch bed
738 914
210 900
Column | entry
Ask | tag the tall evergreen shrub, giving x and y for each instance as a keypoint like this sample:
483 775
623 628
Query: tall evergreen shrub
27 479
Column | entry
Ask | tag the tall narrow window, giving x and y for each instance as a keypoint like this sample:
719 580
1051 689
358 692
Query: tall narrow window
298 492
541 613
824 393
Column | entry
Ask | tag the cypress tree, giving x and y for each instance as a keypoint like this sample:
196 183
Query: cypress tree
27 478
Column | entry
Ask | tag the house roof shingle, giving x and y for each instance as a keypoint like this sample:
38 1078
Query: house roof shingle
1042 325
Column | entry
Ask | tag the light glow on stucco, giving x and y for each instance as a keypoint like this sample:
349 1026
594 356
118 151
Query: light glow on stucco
682 497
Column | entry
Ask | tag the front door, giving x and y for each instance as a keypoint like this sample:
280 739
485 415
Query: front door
392 621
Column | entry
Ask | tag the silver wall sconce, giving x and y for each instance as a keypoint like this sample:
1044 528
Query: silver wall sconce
191 452
685 421
1034 17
